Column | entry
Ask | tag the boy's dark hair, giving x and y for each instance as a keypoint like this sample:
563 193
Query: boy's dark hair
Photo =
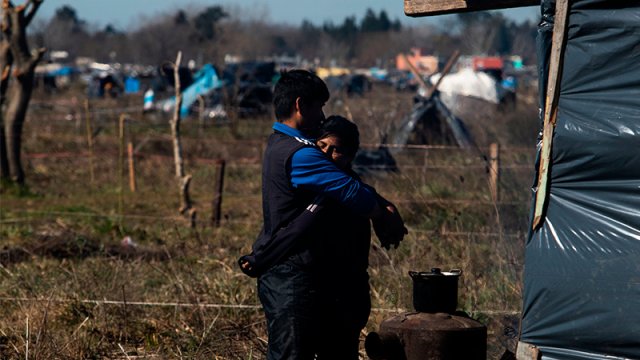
344 130
295 84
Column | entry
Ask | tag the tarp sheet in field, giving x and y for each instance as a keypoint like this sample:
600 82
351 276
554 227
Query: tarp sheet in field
582 266
431 123
204 81
467 82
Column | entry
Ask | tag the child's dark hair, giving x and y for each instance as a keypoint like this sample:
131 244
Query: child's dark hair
295 84
344 130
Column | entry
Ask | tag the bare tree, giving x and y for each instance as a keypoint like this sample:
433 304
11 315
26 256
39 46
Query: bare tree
184 180
17 61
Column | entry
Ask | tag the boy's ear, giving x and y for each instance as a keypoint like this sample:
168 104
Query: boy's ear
298 106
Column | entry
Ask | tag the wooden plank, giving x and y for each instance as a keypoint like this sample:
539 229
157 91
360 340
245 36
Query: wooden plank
431 90
551 108
437 7
452 60
526 351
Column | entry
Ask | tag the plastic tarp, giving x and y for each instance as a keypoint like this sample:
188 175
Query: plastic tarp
205 81
424 123
582 266
467 82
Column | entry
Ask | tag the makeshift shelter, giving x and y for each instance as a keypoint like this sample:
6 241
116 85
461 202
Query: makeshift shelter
248 84
582 256
468 82
204 82
431 123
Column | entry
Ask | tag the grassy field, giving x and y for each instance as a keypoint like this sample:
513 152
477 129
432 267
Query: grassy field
70 289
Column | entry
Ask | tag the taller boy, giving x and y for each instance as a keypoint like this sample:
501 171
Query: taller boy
294 173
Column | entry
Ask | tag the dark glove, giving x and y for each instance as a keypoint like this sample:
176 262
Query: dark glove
389 227
247 265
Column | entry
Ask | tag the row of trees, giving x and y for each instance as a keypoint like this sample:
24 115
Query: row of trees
207 35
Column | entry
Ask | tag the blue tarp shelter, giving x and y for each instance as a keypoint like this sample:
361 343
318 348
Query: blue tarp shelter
204 81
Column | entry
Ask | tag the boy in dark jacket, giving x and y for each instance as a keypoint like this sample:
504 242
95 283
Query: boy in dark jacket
295 172
339 251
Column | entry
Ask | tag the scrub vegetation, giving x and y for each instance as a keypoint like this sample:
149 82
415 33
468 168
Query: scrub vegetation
90 269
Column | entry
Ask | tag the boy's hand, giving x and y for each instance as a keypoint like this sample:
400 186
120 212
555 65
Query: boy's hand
389 227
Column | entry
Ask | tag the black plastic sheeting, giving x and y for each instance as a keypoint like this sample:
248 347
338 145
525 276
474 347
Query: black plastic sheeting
582 266
431 122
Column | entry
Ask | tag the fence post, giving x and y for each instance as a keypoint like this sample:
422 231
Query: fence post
217 197
87 115
121 123
494 171
132 171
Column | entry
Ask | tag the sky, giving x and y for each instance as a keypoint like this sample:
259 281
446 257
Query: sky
126 14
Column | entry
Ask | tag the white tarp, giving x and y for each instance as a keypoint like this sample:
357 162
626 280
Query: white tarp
467 82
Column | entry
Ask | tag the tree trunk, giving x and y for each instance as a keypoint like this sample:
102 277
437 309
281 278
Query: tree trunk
14 115
186 206
17 60
6 60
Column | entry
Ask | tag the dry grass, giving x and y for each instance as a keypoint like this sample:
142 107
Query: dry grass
62 252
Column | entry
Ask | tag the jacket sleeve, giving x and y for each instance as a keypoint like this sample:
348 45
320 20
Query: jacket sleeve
282 242
311 170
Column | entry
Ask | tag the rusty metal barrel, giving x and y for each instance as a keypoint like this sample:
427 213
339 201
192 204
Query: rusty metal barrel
428 336
435 331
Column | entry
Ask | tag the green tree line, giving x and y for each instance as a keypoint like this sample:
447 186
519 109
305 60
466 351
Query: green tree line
210 33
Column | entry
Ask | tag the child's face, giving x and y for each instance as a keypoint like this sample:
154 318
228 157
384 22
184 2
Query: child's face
332 146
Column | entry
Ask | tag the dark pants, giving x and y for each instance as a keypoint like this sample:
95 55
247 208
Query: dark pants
343 310
288 298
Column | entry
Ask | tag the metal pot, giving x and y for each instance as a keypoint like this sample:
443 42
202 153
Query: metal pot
435 291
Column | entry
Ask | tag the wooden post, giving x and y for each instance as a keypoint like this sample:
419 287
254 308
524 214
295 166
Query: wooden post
447 68
526 351
550 108
121 121
431 90
217 197
494 171
87 116
132 172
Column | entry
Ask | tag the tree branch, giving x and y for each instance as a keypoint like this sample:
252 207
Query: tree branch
6 61
185 199
36 56
6 19
35 4
7 4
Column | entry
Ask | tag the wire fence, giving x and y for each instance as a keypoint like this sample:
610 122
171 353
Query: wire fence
204 305
466 183
68 155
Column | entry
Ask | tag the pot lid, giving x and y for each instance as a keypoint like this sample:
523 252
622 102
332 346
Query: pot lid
435 272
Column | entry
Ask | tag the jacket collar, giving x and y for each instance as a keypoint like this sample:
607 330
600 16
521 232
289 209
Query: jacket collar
280 127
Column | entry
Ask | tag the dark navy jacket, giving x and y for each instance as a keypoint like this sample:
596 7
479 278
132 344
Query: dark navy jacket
294 174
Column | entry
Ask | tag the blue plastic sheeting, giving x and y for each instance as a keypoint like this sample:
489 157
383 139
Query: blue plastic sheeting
131 85
582 266
63 71
204 81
